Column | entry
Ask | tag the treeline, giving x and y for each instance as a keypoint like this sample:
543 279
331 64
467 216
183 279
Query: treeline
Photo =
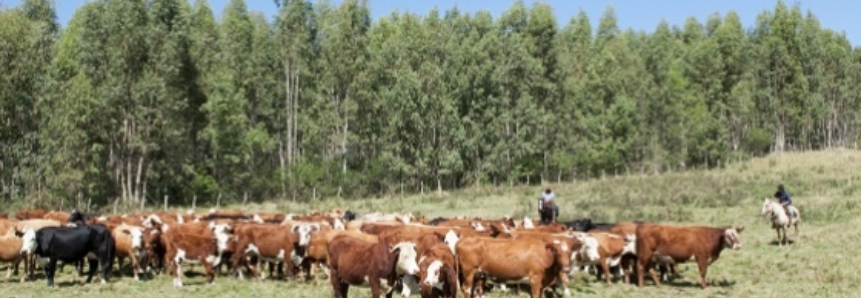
140 99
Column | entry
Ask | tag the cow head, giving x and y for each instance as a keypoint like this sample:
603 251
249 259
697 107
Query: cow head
220 228
304 230
136 236
589 249
257 219
527 223
630 244
221 242
731 239
432 273
152 221
28 237
406 260
477 226
337 224
562 252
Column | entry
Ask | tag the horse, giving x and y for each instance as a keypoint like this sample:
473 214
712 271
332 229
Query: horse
547 214
780 221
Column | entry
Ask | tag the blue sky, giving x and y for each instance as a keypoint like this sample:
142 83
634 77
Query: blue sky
838 15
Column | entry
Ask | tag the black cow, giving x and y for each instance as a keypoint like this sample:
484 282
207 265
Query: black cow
71 244
349 215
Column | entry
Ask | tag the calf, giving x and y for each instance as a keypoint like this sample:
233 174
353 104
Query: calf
195 249
673 244
71 244
353 261
609 251
315 255
533 261
130 244
437 272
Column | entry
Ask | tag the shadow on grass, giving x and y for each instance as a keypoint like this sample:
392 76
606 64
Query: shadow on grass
696 284
777 242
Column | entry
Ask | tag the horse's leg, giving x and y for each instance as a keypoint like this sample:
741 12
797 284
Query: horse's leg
796 228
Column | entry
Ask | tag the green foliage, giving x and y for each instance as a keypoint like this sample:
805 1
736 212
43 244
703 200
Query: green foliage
757 141
137 100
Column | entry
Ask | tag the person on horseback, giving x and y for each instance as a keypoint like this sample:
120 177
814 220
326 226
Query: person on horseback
784 199
548 205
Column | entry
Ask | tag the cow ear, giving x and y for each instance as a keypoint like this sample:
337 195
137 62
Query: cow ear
550 248
739 229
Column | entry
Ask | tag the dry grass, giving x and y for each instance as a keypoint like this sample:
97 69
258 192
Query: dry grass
821 263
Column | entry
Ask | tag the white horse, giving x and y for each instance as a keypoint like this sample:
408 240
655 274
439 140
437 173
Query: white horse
780 221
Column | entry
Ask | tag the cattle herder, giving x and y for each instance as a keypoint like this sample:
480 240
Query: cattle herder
547 208
784 199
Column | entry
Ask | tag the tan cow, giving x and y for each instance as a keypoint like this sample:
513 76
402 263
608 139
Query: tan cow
504 260
129 243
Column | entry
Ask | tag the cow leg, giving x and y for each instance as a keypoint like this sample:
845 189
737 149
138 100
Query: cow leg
605 269
135 266
50 268
9 269
376 287
94 264
702 262
177 279
79 268
535 285
468 281
563 280
210 272
105 259
311 274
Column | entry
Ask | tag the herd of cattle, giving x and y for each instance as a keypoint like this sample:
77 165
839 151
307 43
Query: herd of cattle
386 252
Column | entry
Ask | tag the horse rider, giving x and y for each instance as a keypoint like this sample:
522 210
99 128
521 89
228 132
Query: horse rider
547 198
784 199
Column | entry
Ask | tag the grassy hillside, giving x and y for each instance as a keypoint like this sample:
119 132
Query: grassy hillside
821 263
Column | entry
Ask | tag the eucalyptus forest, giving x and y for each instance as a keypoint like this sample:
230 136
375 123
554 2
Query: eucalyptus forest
136 100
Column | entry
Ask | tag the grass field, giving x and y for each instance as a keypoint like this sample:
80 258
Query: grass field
821 263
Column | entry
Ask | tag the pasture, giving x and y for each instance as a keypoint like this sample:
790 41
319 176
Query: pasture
821 262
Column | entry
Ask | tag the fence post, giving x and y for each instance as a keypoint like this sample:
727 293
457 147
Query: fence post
165 202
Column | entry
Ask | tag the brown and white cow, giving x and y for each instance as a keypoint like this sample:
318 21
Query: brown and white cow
675 244
11 246
438 272
356 262
195 249
129 243
610 248
565 243
504 260
264 242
